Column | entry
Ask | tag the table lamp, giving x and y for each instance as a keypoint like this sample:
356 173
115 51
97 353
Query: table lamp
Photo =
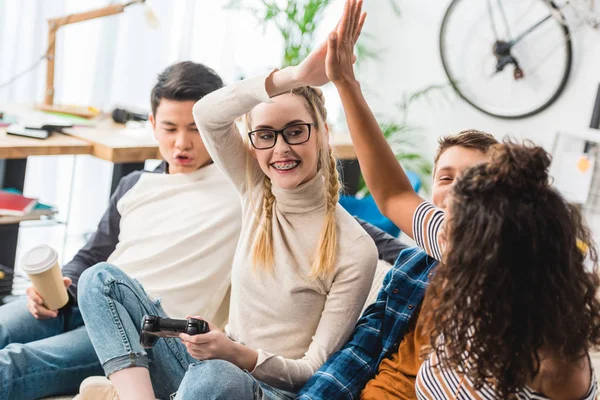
54 25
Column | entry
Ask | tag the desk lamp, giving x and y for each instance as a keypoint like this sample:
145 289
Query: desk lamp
54 25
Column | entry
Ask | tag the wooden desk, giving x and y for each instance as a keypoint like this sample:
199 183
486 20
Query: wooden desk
342 146
16 147
115 143
126 148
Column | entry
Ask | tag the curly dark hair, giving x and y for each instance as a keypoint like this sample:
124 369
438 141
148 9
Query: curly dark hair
513 280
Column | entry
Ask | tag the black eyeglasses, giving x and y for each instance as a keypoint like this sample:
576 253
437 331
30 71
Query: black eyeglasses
263 139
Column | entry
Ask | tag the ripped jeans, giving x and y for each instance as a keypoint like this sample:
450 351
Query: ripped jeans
113 305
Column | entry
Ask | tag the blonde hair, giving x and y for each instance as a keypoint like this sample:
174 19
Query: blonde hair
262 247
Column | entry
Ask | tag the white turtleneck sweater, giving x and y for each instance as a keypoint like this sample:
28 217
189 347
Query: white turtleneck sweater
294 322
178 235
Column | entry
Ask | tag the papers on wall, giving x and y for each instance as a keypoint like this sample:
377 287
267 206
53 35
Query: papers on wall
573 176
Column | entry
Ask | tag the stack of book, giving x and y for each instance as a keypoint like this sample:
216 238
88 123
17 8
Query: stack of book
14 208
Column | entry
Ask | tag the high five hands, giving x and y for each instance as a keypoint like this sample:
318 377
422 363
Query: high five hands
340 44
333 60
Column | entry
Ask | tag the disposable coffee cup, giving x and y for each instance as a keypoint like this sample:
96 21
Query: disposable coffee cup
41 265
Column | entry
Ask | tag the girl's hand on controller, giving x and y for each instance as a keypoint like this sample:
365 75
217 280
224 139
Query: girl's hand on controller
206 346
216 345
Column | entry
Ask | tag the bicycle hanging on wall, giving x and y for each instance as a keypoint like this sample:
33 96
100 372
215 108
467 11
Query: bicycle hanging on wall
511 58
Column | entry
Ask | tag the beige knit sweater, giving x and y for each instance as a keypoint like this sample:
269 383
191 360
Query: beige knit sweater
294 323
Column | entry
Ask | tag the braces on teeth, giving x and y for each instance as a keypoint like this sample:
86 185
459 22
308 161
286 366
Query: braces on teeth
285 166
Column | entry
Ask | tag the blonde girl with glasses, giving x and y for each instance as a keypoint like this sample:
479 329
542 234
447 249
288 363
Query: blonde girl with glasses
303 266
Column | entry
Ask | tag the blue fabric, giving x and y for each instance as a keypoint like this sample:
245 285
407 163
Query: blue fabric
113 305
367 210
378 332
40 358
222 380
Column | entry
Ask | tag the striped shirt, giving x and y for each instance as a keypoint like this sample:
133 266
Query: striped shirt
434 382
427 225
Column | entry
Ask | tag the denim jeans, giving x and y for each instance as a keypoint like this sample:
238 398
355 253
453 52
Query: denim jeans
40 358
113 305
221 380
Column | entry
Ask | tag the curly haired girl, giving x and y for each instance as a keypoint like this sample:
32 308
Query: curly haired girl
516 310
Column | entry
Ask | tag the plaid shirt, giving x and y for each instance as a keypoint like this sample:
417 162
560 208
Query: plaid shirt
378 332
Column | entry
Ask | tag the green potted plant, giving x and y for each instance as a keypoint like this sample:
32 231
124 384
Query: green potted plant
296 21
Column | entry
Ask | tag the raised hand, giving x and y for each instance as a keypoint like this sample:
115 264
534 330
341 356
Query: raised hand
340 57
318 67
311 71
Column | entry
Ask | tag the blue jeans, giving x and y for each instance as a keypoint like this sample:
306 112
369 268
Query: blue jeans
221 380
113 305
40 358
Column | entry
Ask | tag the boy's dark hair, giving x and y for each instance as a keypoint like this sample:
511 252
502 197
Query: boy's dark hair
470 138
184 81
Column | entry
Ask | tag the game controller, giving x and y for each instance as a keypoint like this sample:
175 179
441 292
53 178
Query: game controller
153 328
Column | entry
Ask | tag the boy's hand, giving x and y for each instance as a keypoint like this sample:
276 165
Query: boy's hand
319 67
35 304
340 45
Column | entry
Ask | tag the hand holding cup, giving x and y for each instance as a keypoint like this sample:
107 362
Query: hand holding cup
35 304
49 289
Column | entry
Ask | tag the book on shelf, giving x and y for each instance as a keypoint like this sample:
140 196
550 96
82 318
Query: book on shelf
15 207
14 204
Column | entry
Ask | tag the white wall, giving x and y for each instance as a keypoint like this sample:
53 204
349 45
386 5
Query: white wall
412 61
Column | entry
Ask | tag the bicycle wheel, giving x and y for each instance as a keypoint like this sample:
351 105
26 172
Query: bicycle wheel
537 54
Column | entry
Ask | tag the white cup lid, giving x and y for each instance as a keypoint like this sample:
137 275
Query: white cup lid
39 259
